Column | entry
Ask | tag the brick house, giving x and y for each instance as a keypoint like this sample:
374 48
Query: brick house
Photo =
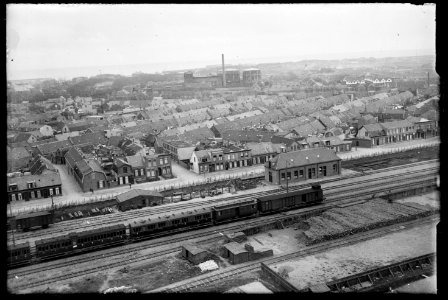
123 170
236 157
302 165
30 187
263 152
137 163
373 134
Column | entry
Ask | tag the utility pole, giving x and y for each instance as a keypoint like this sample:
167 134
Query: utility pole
15 225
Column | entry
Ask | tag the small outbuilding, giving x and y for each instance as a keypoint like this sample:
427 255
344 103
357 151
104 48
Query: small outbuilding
236 253
137 198
194 254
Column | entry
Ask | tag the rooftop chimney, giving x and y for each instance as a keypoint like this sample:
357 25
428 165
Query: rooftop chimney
223 72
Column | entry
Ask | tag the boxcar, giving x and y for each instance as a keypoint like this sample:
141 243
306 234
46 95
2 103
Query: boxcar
286 201
34 220
99 236
234 209
164 223
53 246
19 254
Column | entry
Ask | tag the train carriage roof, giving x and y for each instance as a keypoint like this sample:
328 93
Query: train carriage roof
235 203
178 214
284 194
44 241
99 230
18 246
32 215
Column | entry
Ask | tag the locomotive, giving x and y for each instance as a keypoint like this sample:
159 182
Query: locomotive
164 224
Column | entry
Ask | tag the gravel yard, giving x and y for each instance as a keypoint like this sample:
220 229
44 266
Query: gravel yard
360 257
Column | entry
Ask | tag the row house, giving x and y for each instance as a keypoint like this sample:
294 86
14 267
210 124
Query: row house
180 151
382 133
424 128
123 171
218 159
263 152
30 187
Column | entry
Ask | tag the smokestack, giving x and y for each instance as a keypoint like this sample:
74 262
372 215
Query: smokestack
223 72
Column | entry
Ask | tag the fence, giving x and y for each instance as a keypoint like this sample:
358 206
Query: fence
383 151
213 178
158 188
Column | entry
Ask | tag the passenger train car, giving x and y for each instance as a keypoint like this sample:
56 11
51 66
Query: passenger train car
164 224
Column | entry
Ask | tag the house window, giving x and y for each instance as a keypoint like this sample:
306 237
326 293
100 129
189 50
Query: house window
166 160
366 134
296 174
51 192
168 170
136 173
125 170
30 185
56 190
320 170
13 187
13 197
335 168
282 176
19 196
300 173
288 174
101 184
161 161
38 194
228 156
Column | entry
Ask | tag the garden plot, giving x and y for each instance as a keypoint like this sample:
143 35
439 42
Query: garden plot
339 222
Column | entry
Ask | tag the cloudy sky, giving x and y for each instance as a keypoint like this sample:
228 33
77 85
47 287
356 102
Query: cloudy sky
65 36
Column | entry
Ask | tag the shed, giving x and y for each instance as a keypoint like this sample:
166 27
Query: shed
319 288
194 254
236 253
137 198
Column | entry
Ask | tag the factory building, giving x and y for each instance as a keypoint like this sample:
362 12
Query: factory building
225 78
251 76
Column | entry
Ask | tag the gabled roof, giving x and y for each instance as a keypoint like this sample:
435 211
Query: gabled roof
53 146
136 161
39 164
135 193
90 138
22 137
303 157
73 156
263 148
120 162
396 124
48 179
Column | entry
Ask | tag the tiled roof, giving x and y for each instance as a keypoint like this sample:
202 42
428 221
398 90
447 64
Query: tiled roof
18 153
303 157
73 156
135 161
396 124
262 148
39 164
49 179
91 138
135 193
53 146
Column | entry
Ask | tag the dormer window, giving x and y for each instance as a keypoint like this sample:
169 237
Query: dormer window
31 184
13 187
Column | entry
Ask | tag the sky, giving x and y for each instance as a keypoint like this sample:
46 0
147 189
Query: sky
44 38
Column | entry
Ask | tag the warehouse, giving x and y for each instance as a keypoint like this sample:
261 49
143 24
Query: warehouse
302 165
137 198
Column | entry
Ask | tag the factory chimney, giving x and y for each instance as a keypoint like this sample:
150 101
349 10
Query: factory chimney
223 72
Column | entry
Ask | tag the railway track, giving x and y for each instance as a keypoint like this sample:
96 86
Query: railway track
124 217
216 276
344 196
116 256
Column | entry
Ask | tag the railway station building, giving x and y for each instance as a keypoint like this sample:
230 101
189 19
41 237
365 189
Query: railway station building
302 165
